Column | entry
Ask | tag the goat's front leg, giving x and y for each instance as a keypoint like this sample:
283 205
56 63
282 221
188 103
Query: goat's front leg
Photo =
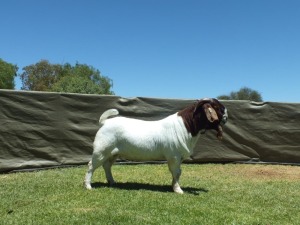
174 167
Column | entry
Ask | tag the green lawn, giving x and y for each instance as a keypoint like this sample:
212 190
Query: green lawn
214 194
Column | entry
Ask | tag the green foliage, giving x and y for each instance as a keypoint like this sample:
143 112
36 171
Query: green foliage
40 76
244 93
214 194
8 72
80 78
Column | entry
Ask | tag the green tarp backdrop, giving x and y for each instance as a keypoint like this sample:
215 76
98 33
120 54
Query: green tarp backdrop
39 129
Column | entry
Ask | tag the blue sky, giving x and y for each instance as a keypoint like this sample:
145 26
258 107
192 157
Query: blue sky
185 49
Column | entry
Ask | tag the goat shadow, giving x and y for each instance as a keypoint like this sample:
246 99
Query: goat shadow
150 187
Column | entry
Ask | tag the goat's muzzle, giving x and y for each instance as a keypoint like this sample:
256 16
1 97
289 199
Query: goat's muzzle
222 123
220 132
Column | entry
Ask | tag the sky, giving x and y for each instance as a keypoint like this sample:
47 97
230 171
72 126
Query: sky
185 49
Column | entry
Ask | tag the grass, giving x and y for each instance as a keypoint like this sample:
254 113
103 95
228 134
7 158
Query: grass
214 194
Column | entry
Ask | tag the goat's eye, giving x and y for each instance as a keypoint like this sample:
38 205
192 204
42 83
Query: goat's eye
223 110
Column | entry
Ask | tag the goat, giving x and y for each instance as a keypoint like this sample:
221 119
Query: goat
172 138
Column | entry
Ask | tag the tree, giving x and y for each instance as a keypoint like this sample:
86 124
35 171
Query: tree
80 78
40 76
83 85
244 93
8 72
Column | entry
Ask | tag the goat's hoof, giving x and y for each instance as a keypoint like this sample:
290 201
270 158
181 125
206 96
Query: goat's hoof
88 186
111 183
178 191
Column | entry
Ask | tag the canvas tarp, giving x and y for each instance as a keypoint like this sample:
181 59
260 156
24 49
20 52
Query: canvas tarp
39 129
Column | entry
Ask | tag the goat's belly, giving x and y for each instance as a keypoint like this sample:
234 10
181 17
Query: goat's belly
140 153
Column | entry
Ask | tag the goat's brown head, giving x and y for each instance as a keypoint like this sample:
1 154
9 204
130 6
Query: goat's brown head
205 114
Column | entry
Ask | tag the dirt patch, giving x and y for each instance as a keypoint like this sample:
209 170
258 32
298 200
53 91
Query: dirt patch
270 172
3 177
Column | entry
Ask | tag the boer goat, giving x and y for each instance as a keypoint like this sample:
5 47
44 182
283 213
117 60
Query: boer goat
172 138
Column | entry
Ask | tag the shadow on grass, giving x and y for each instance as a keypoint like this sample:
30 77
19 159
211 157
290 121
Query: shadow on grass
150 187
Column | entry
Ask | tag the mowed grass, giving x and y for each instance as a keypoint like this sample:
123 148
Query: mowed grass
214 194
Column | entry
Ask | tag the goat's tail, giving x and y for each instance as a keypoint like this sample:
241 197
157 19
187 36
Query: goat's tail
107 114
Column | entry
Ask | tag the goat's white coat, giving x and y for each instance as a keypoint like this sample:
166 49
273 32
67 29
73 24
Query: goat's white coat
138 140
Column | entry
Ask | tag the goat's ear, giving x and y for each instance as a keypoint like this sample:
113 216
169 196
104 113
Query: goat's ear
210 113
200 104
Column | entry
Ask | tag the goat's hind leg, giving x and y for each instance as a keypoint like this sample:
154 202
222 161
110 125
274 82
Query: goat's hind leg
107 168
93 164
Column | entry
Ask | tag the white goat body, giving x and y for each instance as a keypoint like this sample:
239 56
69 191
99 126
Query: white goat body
140 140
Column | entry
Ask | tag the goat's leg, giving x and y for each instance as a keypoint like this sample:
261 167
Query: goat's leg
174 167
93 164
107 168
